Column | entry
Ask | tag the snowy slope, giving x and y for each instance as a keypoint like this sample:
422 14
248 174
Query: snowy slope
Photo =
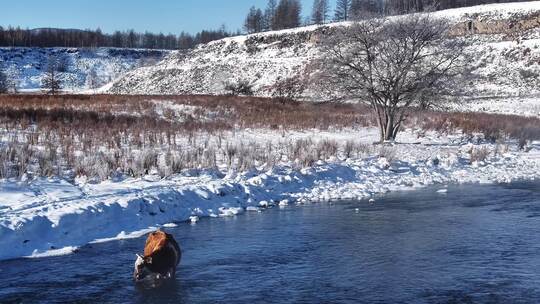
50 214
208 68
494 11
508 63
28 65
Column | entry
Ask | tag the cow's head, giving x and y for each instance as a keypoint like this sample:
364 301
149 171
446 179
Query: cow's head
141 267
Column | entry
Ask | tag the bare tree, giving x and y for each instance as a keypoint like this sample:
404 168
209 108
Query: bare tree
394 65
51 82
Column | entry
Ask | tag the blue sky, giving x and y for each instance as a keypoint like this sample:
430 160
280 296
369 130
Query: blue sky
167 16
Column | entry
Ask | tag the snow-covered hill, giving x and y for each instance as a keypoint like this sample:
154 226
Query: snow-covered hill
27 65
505 47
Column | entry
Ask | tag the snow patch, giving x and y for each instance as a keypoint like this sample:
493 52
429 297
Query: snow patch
53 252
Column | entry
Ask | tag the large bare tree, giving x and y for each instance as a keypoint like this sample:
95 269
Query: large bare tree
395 65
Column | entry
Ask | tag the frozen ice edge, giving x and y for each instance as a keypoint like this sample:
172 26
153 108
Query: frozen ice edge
131 208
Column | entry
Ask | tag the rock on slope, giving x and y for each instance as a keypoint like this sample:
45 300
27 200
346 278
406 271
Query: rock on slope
505 47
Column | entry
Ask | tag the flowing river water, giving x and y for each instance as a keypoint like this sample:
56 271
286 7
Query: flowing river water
472 244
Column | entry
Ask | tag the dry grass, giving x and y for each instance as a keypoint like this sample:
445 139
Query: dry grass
479 154
102 136
493 126
245 112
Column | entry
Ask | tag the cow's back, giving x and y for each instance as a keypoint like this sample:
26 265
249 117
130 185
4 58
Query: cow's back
176 247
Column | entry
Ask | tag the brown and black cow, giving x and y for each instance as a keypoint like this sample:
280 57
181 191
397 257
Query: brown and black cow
161 256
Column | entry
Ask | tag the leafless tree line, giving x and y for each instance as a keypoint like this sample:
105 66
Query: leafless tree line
52 37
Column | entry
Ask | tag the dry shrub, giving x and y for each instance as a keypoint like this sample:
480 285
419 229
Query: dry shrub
326 149
355 149
492 126
241 87
387 152
479 154
227 111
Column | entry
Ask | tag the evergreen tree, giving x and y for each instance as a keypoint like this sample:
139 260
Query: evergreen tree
316 14
259 17
92 80
51 82
373 7
281 14
295 14
361 9
408 6
270 15
356 9
320 11
3 80
185 41
12 77
343 8
254 21
17 37
288 14
132 40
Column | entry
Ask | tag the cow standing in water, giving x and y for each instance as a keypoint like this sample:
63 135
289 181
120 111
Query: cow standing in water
161 256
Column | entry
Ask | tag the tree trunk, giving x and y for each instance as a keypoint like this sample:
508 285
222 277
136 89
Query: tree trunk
389 127
387 122
378 111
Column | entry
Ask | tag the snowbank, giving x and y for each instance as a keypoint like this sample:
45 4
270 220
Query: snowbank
52 214
28 65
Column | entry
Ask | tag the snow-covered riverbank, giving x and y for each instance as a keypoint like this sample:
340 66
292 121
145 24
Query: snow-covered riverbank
50 214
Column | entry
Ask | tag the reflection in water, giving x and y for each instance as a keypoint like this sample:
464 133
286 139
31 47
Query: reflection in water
161 292
473 244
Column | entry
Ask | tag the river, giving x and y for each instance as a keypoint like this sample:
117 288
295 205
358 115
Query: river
472 244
